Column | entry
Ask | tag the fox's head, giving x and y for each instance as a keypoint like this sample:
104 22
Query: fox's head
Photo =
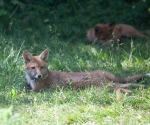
103 32
36 66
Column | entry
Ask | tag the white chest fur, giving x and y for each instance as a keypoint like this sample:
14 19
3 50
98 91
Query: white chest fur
32 83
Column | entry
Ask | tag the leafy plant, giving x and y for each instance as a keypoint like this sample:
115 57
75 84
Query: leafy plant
7 117
33 15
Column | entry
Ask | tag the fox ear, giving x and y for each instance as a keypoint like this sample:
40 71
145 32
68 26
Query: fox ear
97 30
27 56
111 26
44 55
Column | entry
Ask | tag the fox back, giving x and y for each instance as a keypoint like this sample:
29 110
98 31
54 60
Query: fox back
39 77
104 32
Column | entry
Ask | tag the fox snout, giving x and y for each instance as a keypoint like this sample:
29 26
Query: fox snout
37 75
33 74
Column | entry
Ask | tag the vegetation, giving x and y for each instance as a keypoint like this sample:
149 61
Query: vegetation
72 17
64 36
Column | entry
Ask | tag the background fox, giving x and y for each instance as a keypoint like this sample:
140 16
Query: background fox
39 77
104 32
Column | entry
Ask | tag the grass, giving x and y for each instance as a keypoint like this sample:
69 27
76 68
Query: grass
87 106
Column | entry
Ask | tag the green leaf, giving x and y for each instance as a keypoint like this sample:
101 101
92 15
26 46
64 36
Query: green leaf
3 12
1 3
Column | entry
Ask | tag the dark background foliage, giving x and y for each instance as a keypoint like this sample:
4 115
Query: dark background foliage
71 17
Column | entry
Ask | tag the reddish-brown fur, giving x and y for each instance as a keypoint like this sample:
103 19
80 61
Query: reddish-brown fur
39 77
105 32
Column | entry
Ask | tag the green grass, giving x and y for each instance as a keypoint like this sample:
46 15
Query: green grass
87 106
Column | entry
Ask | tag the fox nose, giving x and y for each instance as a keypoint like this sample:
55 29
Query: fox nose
39 76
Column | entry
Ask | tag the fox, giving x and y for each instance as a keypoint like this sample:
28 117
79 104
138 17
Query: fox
39 77
103 33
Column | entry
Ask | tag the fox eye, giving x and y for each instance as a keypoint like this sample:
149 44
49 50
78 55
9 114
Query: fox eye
32 67
103 39
42 67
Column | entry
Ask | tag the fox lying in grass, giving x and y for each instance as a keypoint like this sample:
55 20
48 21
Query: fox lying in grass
39 77
105 32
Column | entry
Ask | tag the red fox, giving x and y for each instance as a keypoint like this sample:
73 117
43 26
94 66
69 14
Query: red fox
105 32
39 77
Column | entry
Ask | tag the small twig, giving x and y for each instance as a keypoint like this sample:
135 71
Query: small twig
13 12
